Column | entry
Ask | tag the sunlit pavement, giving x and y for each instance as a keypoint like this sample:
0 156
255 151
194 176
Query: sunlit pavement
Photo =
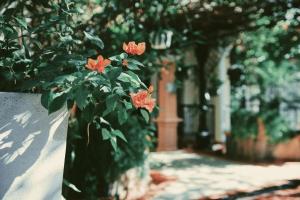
199 176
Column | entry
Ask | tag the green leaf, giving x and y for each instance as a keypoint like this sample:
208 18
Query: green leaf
105 88
128 105
77 62
114 72
81 97
56 101
66 39
111 103
136 78
88 112
94 39
122 115
9 31
123 55
119 58
133 61
128 79
132 66
120 91
119 134
145 115
97 80
21 22
114 143
105 134
45 99
124 78
61 79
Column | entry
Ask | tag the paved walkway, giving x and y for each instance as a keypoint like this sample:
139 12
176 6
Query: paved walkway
199 176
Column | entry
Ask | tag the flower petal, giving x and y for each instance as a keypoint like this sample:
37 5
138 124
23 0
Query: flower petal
91 64
100 59
106 62
141 47
125 47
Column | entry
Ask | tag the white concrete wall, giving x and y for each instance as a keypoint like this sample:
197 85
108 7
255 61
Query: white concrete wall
32 148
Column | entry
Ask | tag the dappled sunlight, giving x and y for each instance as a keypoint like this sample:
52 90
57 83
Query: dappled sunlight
4 135
21 150
199 175
49 186
15 145
31 142
23 118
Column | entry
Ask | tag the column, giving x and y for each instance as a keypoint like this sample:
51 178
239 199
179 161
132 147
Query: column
167 120
222 100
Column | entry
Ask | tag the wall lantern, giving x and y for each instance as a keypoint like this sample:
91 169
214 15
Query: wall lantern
161 39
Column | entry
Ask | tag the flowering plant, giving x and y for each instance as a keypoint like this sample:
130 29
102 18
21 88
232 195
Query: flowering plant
103 87
114 102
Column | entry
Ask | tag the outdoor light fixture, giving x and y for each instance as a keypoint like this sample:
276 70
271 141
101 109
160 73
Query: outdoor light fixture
161 39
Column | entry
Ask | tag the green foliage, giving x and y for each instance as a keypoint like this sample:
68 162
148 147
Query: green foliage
245 125
268 60
107 154
145 115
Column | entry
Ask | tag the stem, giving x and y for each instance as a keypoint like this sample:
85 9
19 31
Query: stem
88 134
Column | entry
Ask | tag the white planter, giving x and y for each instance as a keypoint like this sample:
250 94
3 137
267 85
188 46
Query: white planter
32 148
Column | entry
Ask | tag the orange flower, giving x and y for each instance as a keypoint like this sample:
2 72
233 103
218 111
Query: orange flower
138 98
134 49
97 65
143 99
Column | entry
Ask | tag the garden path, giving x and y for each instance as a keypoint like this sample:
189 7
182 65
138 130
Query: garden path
198 176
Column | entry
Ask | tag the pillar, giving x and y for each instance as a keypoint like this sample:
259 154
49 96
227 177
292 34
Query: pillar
167 120
222 100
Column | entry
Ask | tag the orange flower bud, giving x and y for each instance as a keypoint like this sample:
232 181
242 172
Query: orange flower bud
125 62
